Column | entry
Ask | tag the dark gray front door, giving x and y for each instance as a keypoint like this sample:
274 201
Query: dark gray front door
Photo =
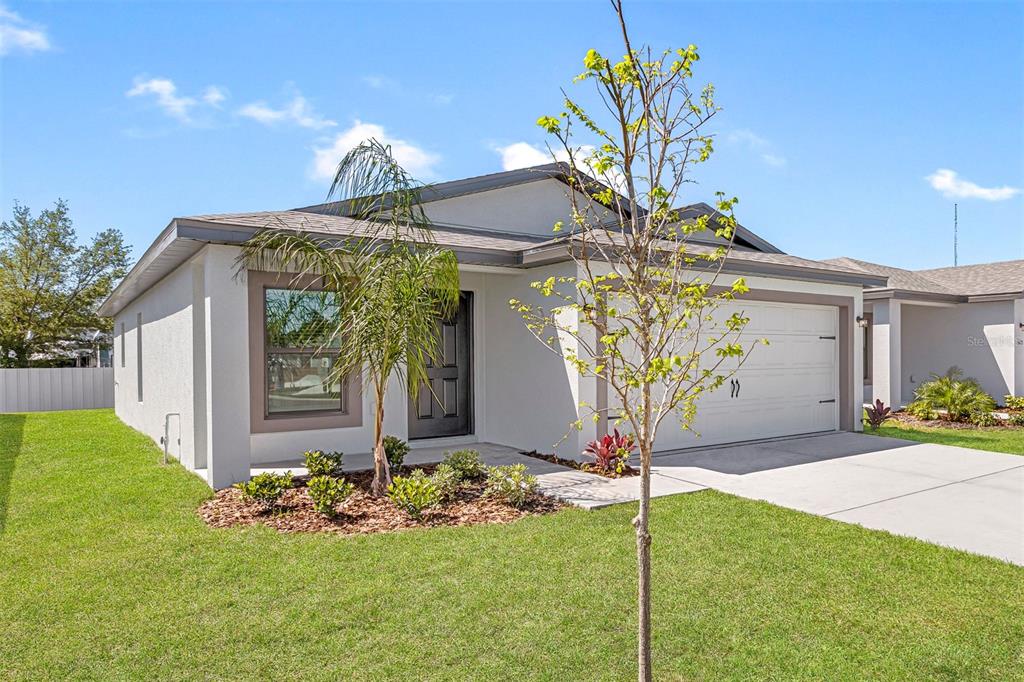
445 407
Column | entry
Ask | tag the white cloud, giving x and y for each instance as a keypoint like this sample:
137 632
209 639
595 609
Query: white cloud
167 98
298 111
214 95
18 35
176 105
952 186
759 145
524 155
415 160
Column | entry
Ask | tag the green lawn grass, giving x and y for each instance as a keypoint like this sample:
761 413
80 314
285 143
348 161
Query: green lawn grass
995 439
107 573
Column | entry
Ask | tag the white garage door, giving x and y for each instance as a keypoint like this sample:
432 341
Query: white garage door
788 387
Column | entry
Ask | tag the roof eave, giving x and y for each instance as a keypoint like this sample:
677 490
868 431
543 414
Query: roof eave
194 234
878 294
558 252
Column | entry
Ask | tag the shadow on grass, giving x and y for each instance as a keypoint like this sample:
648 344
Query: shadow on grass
12 427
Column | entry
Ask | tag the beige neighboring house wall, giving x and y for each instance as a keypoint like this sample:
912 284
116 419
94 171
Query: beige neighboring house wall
977 337
925 321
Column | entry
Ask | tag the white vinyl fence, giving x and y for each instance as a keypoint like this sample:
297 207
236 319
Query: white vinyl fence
59 388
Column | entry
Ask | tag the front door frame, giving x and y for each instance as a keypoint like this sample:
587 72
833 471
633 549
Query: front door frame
470 334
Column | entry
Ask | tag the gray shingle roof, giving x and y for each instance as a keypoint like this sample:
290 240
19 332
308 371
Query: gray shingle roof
341 226
461 238
736 256
978 280
1006 277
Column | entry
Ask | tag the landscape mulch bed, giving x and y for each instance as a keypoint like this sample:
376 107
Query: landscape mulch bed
582 466
911 420
362 513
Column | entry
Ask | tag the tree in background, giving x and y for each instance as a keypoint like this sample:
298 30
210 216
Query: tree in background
642 312
391 284
50 285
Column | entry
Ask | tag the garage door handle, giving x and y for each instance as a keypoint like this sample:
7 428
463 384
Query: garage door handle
738 387
830 400
732 391
830 338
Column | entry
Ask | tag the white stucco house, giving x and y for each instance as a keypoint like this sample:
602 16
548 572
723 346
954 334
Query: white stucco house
193 350
926 321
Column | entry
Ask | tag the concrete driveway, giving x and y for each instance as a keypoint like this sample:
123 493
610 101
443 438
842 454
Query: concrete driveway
958 497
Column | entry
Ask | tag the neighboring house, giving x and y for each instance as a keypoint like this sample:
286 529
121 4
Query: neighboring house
192 350
926 321
89 348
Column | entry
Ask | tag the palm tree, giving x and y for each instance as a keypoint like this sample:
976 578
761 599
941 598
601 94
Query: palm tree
391 283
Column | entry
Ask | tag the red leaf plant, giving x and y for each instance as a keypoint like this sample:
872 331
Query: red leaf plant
877 414
611 452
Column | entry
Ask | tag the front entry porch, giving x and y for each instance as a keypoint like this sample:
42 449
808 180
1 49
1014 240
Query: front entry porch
491 453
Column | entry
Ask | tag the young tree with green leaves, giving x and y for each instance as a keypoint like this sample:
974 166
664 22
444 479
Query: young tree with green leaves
50 284
391 283
643 313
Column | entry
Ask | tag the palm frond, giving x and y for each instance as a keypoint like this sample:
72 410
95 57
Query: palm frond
371 186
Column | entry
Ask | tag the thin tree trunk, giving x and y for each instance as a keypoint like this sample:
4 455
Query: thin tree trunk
381 470
643 557
643 549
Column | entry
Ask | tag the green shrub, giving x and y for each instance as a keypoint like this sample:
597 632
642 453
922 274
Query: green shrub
320 463
266 488
984 419
395 449
1015 402
510 483
960 397
327 493
921 410
447 481
1017 419
466 464
412 494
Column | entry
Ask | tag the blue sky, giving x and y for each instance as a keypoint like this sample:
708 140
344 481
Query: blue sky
835 115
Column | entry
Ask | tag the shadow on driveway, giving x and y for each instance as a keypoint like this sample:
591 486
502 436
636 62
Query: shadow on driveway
776 454
12 427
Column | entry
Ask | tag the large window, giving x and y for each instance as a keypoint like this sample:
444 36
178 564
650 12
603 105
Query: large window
292 355
300 352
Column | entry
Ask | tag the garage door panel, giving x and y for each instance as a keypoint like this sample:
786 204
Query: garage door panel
812 321
801 385
788 352
786 388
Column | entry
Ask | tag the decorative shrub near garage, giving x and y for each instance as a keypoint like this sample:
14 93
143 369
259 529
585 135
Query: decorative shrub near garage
960 397
1014 402
985 419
